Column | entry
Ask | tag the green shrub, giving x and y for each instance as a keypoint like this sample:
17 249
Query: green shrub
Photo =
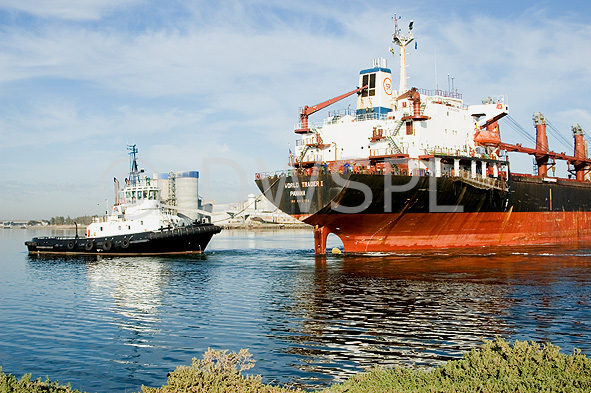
217 372
10 384
497 366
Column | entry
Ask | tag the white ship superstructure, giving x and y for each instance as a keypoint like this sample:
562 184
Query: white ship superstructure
412 124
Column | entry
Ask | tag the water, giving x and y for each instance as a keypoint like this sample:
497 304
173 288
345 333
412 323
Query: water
113 324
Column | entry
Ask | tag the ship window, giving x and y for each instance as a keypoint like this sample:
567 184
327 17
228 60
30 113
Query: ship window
369 80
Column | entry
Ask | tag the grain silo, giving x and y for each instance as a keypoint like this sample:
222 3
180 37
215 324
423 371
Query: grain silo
186 192
163 185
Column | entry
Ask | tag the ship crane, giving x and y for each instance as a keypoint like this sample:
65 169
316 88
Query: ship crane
308 110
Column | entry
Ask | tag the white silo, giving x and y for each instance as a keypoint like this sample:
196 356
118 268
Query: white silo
187 195
162 182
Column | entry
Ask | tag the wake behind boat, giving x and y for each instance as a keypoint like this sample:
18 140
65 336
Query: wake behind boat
140 223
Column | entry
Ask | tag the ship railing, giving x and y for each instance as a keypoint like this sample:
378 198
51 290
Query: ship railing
387 151
444 151
341 113
314 170
498 99
285 172
371 116
440 93
306 141
311 126
482 182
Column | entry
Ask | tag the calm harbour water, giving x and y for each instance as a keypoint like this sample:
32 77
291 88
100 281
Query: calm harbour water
113 324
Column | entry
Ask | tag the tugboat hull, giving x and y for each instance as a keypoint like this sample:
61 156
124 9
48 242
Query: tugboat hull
184 240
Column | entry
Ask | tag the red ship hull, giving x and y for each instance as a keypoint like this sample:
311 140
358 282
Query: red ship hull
391 232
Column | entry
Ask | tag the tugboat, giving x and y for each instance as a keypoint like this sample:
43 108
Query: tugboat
139 224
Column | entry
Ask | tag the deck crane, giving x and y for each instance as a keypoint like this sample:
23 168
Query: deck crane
308 110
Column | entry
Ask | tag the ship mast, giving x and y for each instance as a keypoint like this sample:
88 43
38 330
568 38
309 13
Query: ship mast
402 41
134 174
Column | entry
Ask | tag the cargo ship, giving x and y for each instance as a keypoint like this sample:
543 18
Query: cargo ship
140 223
420 169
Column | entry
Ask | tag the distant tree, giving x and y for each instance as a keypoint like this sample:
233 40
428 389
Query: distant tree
60 220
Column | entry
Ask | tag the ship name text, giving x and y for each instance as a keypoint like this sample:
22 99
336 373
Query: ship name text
314 183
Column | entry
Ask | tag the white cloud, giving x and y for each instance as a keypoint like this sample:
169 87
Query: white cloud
68 10
226 79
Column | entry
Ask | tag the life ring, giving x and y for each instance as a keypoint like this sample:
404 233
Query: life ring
499 106
107 245
124 242
471 153
258 176
89 245
71 244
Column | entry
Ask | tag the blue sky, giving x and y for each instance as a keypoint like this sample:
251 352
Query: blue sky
216 86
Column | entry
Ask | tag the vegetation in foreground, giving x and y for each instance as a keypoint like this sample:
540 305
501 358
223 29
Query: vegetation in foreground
497 366
9 384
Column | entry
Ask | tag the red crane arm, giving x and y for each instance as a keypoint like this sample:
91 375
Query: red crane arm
540 153
308 110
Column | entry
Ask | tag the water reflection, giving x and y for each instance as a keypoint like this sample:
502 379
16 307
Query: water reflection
135 286
359 310
307 320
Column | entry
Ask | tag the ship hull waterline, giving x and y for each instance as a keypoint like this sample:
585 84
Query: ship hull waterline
434 213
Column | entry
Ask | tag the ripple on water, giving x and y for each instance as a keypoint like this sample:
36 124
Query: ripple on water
307 320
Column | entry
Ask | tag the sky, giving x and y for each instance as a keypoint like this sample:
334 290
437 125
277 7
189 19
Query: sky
216 86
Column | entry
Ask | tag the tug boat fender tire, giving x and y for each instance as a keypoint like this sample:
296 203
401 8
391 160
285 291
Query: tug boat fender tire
107 245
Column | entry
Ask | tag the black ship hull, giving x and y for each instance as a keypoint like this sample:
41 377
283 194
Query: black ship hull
373 212
183 240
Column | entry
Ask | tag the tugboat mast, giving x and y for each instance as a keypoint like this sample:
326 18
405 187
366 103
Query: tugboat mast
134 174
402 41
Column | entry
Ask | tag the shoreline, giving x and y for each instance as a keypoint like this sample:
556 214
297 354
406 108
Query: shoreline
258 225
